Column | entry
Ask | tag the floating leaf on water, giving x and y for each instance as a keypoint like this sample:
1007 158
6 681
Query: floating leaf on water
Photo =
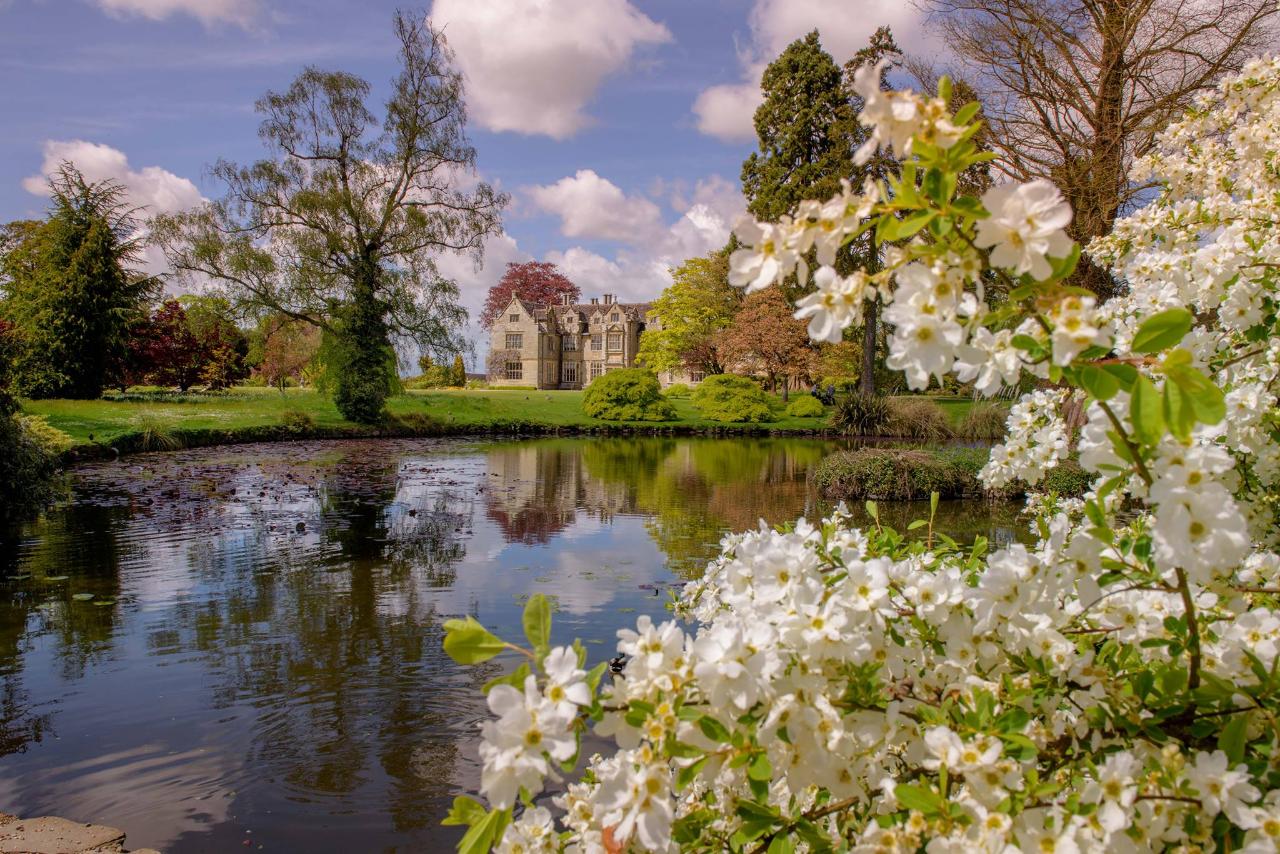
56 577
626 610
22 577
82 597
105 602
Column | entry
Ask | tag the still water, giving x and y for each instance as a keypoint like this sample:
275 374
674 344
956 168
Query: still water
240 648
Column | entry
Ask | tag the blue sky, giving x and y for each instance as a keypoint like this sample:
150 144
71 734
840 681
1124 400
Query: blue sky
618 126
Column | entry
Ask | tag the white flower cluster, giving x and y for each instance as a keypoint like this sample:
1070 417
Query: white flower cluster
1112 688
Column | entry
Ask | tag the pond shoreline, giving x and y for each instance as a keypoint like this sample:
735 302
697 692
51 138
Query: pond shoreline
183 438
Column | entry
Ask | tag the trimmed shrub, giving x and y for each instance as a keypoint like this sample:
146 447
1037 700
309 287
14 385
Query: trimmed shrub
296 421
892 474
678 390
1067 479
984 420
806 406
630 394
857 415
916 418
733 399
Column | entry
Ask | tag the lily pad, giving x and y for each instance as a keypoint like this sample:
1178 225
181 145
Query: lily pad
56 577
105 602
82 597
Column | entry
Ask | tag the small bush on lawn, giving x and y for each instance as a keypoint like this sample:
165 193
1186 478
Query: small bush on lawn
731 398
858 415
893 474
631 394
296 420
806 406
917 418
984 420
678 390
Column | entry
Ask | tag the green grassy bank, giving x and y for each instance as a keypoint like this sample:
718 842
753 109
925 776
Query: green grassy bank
150 421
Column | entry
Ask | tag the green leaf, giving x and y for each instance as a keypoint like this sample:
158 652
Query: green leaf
82 597
1099 383
465 811
594 675
468 642
1162 331
690 772
760 768
515 679
484 833
1205 400
1145 412
1233 738
1126 375
966 113
873 511
918 523
1025 342
1178 412
919 798
913 223
781 844
537 621
713 729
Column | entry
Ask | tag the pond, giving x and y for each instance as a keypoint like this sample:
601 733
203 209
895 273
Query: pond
240 647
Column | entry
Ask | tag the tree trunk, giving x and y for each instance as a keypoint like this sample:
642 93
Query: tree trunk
867 382
364 381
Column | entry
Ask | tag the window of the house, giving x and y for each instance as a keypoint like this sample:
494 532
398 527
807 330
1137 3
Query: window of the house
570 343
595 341
615 340
615 317
515 318
515 370
696 376
597 368
515 341
570 373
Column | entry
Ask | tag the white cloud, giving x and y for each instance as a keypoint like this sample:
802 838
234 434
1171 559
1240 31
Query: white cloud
156 189
632 277
240 12
153 189
725 111
532 66
595 208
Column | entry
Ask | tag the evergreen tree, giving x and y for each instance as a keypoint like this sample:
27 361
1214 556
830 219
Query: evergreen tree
72 290
808 130
459 377
803 127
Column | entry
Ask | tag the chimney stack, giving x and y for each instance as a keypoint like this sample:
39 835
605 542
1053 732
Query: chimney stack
565 299
595 300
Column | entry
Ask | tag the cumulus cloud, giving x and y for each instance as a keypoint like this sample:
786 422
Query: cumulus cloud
532 66
209 12
152 188
593 207
725 111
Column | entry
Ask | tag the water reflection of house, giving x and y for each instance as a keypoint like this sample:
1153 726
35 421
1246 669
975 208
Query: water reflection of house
536 490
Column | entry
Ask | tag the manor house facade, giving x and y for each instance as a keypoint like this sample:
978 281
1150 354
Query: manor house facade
564 346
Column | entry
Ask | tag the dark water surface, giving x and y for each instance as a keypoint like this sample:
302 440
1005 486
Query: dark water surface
239 648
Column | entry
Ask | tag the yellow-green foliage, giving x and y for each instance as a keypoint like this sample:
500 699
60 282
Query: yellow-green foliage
731 398
630 394
806 406
48 438
677 391
29 450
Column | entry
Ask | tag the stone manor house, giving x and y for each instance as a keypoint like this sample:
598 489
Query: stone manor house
564 346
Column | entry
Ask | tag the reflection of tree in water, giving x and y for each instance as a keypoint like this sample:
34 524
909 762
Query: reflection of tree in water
78 541
341 651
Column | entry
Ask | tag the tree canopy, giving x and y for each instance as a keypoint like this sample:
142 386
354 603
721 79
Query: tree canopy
692 311
341 225
537 282
72 289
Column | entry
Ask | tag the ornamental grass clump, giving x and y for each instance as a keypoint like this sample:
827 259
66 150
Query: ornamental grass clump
733 399
1111 686
860 415
892 474
916 418
628 394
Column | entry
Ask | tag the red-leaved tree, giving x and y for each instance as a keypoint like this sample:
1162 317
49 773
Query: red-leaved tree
174 355
536 282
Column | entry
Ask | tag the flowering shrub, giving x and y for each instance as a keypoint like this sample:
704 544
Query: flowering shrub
1112 688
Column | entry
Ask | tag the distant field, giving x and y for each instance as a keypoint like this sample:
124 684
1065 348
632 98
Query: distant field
253 413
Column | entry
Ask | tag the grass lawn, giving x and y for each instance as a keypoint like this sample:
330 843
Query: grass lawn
256 413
